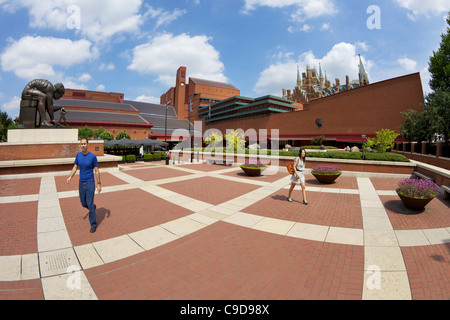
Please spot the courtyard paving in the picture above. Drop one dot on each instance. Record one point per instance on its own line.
(208, 232)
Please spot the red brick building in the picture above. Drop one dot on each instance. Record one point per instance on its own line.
(115, 114)
(342, 117)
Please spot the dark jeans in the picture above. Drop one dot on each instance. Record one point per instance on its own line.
(87, 190)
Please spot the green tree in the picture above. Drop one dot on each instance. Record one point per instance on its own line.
(235, 140)
(122, 135)
(435, 118)
(383, 141)
(439, 65)
(437, 104)
(98, 132)
(6, 122)
(413, 126)
(106, 135)
(85, 132)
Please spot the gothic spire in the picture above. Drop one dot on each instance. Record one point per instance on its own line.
(363, 77)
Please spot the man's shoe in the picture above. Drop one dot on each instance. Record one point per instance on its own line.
(93, 229)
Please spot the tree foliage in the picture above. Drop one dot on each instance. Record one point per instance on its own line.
(435, 118)
(85, 132)
(383, 141)
(122, 135)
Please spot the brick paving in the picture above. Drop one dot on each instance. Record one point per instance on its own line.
(209, 189)
(435, 215)
(428, 271)
(223, 260)
(118, 213)
(230, 262)
(107, 179)
(17, 187)
(18, 225)
(328, 209)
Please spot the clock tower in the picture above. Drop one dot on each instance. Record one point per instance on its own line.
(180, 94)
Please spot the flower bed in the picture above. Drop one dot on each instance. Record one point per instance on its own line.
(253, 165)
(417, 188)
(253, 168)
(326, 170)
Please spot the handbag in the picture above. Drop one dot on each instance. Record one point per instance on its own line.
(290, 168)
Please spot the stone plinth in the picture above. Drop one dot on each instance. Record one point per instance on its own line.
(45, 150)
(42, 135)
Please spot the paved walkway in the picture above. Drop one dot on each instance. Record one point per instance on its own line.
(198, 231)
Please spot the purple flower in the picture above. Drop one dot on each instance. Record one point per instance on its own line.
(418, 188)
(326, 170)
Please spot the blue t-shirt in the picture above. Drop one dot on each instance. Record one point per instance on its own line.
(86, 163)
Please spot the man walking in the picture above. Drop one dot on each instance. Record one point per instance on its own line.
(89, 174)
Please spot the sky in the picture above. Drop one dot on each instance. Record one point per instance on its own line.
(135, 47)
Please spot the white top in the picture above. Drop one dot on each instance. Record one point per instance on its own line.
(300, 164)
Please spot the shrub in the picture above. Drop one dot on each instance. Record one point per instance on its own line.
(383, 141)
(131, 157)
(148, 156)
(156, 156)
(317, 141)
(417, 188)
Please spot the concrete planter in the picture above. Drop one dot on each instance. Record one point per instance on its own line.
(326, 178)
(414, 203)
(253, 172)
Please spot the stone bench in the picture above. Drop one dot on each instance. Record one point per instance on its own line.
(446, 192)
(422, 176)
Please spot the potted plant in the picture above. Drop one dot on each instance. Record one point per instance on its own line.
(131, 158)
(148, 157)
(123, 159)
(326, 174)
(253, 168)
(416, 193)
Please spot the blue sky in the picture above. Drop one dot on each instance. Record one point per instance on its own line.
(135, 47)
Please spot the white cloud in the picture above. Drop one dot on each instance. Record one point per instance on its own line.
(425, 76)
(165, 53)
(408, 64)
(149, 99)
(164, 17)
(107, 67)
(85, 77)
(99, 20)
(426, 8)
(35, 57)
(100, 87)
(305, 9)
(325, 26)
(363, 46)
(340, 61)
(12, 107)
(306, 28)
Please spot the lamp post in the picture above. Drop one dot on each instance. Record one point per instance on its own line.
(165, 125)
(363, 136)
(190, 137)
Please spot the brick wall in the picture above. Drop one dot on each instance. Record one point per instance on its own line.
(46, 151)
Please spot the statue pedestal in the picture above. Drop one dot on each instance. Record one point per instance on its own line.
(57, 135)
(46, 150)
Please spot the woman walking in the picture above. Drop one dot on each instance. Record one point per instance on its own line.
(298, 178)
